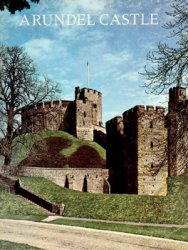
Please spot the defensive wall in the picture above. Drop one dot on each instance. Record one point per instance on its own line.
(136, 154)
(85, 179)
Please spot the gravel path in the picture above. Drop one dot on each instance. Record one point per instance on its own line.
(55, 217)
(59, 237)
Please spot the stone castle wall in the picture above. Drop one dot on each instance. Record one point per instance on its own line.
(137, 150)
(88, 112)
(47, 116)
(145, 150)
(88, 180)
(114, 153)
(177, 120)
(152, 144)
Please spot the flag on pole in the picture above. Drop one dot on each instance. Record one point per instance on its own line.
(88, 74)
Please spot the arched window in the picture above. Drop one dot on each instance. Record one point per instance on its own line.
(151, 144)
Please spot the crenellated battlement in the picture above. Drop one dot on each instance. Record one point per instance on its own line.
(47, 106)
(116, 124)
(140, 109)
(114, 120)
(86, 92)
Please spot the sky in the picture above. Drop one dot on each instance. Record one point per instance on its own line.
(116, 53)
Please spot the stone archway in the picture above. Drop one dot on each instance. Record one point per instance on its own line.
(106, 186)
(85, 187)
(66, 182)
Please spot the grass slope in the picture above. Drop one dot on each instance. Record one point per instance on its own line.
(27, 144)
(6, 245)
(172, 209)
(13, 207)
(169, 233)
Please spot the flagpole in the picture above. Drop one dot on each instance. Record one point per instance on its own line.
(88, 74)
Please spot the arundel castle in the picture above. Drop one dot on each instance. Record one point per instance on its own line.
(142, 148)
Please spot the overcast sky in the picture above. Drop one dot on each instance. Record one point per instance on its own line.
(116, 53)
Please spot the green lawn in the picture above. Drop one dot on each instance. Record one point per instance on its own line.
(13, 207)
(6, 245)
(169, 233)
(172, 209)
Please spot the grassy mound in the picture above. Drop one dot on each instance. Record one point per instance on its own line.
(171, 209)
(57, 149)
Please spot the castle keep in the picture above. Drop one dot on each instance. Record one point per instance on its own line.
(81, 117)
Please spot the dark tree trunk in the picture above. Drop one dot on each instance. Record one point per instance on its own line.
(7, 160)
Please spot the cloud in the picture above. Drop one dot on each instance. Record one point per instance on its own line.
(117, 58)
(43, 48)
(79, 6)
(130, 76)
(39, 47)
(7, 22)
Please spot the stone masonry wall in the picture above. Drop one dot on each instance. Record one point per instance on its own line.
(46, 116)
(95, 97)
(152, 151)
(145, 161)
(114, 153)
(177, 122)
(84, 125)
(130, 164)
(88, 180)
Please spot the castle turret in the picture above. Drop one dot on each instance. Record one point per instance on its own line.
(145, 150)
(88, 112)
(177, 131)
(177, 96)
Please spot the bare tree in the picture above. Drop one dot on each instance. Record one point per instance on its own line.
(168, 65)
(20, 86)
(18, 5)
